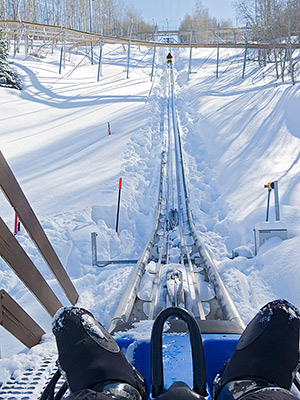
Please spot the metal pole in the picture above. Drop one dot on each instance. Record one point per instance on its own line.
(190, 60)
(277, 216)
(128, 53)
(154, 51)
(100, 61)
(246, 49)
(94, 248)
(218, 51)
(62, 50)
(268, 205)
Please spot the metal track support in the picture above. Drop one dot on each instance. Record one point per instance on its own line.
(128, 51)
(218, 52)
(191, 50)
(154, 52)
(277, 214)
(246, 50)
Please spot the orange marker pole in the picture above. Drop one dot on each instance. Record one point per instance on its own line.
(119, 199)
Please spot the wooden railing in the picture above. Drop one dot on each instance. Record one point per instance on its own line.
(15, 256)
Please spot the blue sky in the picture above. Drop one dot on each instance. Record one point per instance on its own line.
(171, 11)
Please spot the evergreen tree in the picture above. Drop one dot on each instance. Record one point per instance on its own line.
(8, 77)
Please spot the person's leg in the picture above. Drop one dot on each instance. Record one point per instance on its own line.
(89, 358)
(266, 358)
(88, 394)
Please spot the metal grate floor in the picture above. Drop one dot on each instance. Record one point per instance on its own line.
(30, 384)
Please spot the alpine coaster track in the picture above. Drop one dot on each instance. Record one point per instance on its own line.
(174, 270)
(174, 259)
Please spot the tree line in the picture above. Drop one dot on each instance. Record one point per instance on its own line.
(202, 25)
(110, 17)
(276, 22)
(274, 19)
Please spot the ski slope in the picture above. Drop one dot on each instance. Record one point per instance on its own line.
(238, 136)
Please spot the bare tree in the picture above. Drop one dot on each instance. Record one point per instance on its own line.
(202, 23)
(111, 17)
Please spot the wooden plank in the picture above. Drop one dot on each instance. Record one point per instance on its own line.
(12, 252)
(18, 201)
(18, 322)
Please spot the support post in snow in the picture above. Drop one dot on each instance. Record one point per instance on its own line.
(190, 59)
(119, 200)
(100, 61)
(268, 202)
(128, 52)
(62, 51)
(246, 50)
(270, 186)
(154, 51)
(218, 52)
(94, 248)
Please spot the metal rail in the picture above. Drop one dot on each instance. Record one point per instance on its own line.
(174, 283)
(16, 29)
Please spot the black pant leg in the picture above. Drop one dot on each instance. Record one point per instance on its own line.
(88, 394)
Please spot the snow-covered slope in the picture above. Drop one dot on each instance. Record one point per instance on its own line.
(237, 136)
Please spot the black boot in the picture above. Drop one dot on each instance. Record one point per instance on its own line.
(267, 354)
(90, 358)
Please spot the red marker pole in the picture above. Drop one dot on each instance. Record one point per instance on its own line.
(108, 128)
(119, 199)
(16, 224)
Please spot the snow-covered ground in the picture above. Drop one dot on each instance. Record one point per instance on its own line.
(237, 135)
